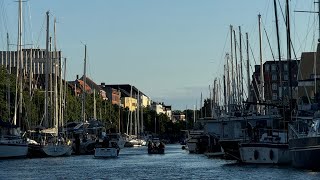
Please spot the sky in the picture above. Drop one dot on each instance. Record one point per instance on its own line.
(171, 50)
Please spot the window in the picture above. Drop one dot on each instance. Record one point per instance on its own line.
(274, 86)
(274, 77)
(285, 77)
(267, 68)
(274, 96)
(285, 67)
(273, 67)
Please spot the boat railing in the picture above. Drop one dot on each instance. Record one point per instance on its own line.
(265, 135)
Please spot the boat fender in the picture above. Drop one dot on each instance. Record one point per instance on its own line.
(256, 154)
(271, 154)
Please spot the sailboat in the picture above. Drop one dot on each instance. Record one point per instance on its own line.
(50, 142)
(269, 146)
(86, 133)
(12, 145)
(304, 142)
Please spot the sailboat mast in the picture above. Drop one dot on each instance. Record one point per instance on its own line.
(9, 73)
(213, 101)
(194, 115)
(56, 120)
(130, 124)
(201, 107)
(46, 109)
(84, 85)
(289, 51)
(315, 67)
(236, 85)
(30, 71)
(119, 126)
(227, 85)
(231, 60)
(279, 49)
(261, 63)
(21, 62)
(94, 105)
(141, 126)
(60, 93)
(138, 113)
(241, 72)
(210, 100)
(224, 89)
(65, 91)
(248, 67)
(8, 54)
(55, 67)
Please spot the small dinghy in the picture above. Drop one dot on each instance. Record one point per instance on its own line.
(156, 147)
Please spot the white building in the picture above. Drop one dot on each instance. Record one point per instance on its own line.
(157, 107)
(161, 108)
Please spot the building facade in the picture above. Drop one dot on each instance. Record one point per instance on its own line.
(129, 102)
(32, 60)
(309, 78)
(276, 85)
(145, 101)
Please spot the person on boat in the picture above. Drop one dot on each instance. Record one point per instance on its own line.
(106, 141)
(150, 145)
(161, 145)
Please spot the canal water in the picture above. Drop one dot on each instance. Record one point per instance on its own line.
(135, 163)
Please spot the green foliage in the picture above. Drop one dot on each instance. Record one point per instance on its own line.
(6, 81)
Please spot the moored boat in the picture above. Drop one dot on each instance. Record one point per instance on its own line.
(305, 145)
(45, 144)
(106, 149)
(12, 145)
(156, 147)
(272, 149)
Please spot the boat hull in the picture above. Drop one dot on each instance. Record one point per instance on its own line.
(57, 150)
(264, 153)
(106, 152)
(231, 149)
(305, 152)
(8, 150)
(192, 147)
(84, 148)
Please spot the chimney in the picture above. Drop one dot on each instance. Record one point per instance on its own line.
(103, 84)
(77, 76)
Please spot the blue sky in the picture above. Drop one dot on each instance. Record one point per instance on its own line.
(170, 49)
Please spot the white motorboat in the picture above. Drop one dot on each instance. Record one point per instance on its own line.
(106, 149)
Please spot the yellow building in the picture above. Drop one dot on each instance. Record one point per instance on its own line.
(129, 102)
